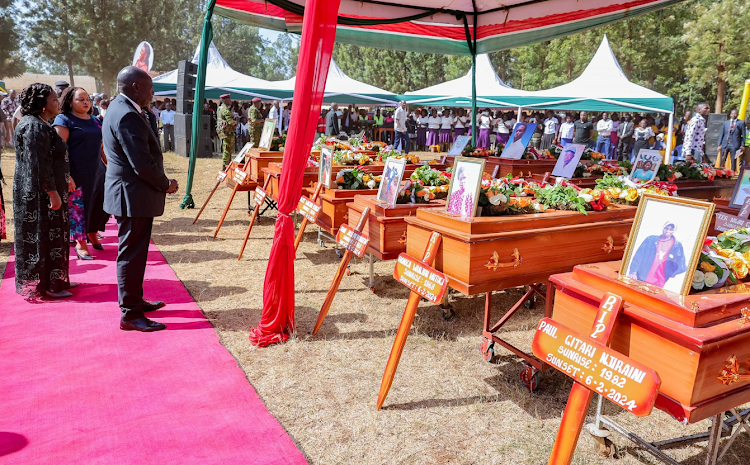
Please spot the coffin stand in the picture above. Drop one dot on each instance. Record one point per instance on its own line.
(689, 341)
(494, 253)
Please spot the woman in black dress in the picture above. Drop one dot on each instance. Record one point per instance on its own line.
(40, 198)
(83, 135)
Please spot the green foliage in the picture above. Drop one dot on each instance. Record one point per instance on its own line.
(11, 63)
(560, 198)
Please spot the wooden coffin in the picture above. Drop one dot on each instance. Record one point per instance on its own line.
(704, 189)
(334, 207)
(547, 243)
(687, 340)
(260, 159)
(385, 226)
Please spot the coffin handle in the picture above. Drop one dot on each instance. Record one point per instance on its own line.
(402, 240)
(609, 246)
(730, 374)
(494, 262)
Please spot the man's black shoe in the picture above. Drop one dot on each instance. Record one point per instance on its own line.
(141, 324)
(151, 306)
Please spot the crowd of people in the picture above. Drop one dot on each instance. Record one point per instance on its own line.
(617, 136)
(76, 168)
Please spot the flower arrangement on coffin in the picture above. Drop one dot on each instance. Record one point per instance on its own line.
(589, 154)
(533, 154)
(278, 143)
(724, 260)
(564, 196)
(624, 191)
(693, 170)
(605, 168)
(331, 142)
(347, 157)
(427, 176)
(374, 146)
(389, 152)
(554, 151)
(357, 179)
(476, 152)
(581, 171)
(506, 196)
(424, 184)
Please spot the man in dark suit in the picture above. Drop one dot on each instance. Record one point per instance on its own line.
(332, 121)
(731, 139)
(134, 191)
(624, 136)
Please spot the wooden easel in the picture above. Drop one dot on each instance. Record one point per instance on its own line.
(260, 197)
(243, 183)
(307, 216)
(350, 240)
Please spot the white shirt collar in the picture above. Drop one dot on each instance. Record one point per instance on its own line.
(137, 107)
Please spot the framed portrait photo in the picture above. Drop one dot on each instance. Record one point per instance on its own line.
(267, 135)
(519, 139)
(741, 189)
(326, 166)
(240, 157)
(393, 172)
(568, 161)
(666, 241)
(466, 182)
(646, 165)
(458, 147)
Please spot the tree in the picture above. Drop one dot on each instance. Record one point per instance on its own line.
(241, 46)
(51, 29)
(11, 62)
(719, 49)
(280, 58)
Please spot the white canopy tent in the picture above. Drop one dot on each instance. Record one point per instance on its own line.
(220, 79)
(341, 88)
(491, 90)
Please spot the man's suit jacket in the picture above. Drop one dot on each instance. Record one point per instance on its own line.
(332, 123)
(732, 139)
(625, 129)
(135, 184)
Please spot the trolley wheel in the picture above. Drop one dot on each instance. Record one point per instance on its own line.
(448, 313)
(530, 377)
(339, 254)
(320, 244)
(372, 289)
(530, 302)
(606, 448)
(487, 348)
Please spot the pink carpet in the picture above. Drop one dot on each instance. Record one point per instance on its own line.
(78, 390)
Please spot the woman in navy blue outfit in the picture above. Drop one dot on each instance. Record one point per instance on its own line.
(83, 133)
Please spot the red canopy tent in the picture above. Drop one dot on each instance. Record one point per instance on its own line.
(463, 27)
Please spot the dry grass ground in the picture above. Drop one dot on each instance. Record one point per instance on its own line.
(446, 405)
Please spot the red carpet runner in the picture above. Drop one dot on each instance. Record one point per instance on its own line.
(78, 390)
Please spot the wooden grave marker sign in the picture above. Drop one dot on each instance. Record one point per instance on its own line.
(725, 221)
(242, 182)
(354, 243)
(594, 368)
(310, 211)
(423, 281)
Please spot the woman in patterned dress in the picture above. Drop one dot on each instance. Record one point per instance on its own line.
(40, 198)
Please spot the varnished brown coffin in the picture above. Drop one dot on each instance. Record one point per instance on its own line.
(334, 207)
(522, 168)
(386, 226)
(548, 243)
(260, 159)
(687, 340)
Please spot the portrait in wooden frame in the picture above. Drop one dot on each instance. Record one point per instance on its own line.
(267, 134)
(466, 183)
(393, 172)
(326, 167)
(666, 242)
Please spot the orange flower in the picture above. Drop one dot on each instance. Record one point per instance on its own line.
(707, 267)
(740, 268)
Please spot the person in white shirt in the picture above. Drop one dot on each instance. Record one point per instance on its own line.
(551, 125)
(517, 146)
(460, 123)
(401, 139)
(433, 128)
(503, 132)
(446, 123)
(275, 114)
(604, 132)
(484, 124)
(167, 120)
(422, 123)
(567, 129)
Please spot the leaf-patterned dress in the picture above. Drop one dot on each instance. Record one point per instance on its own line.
(41, 234)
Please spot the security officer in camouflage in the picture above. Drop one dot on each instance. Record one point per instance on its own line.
(225, 128)
(255, 121)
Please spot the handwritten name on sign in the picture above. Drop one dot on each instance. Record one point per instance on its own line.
(725, 222)
(308, 209)
(420, 278)
(620, 379)
(221, 176)
(259, 197)
(352, 240)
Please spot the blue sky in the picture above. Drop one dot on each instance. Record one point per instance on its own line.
(268, 34)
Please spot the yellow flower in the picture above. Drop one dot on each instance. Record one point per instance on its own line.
(746, 256)
(631, 195)
(740, 268)
(366, 177)
(707, 267)
(725, 252)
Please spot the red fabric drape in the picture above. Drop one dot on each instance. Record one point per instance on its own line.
(316, 47)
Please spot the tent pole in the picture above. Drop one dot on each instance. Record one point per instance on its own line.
(518, 119)
(474, 99)
(670, 131)
(200, 85)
